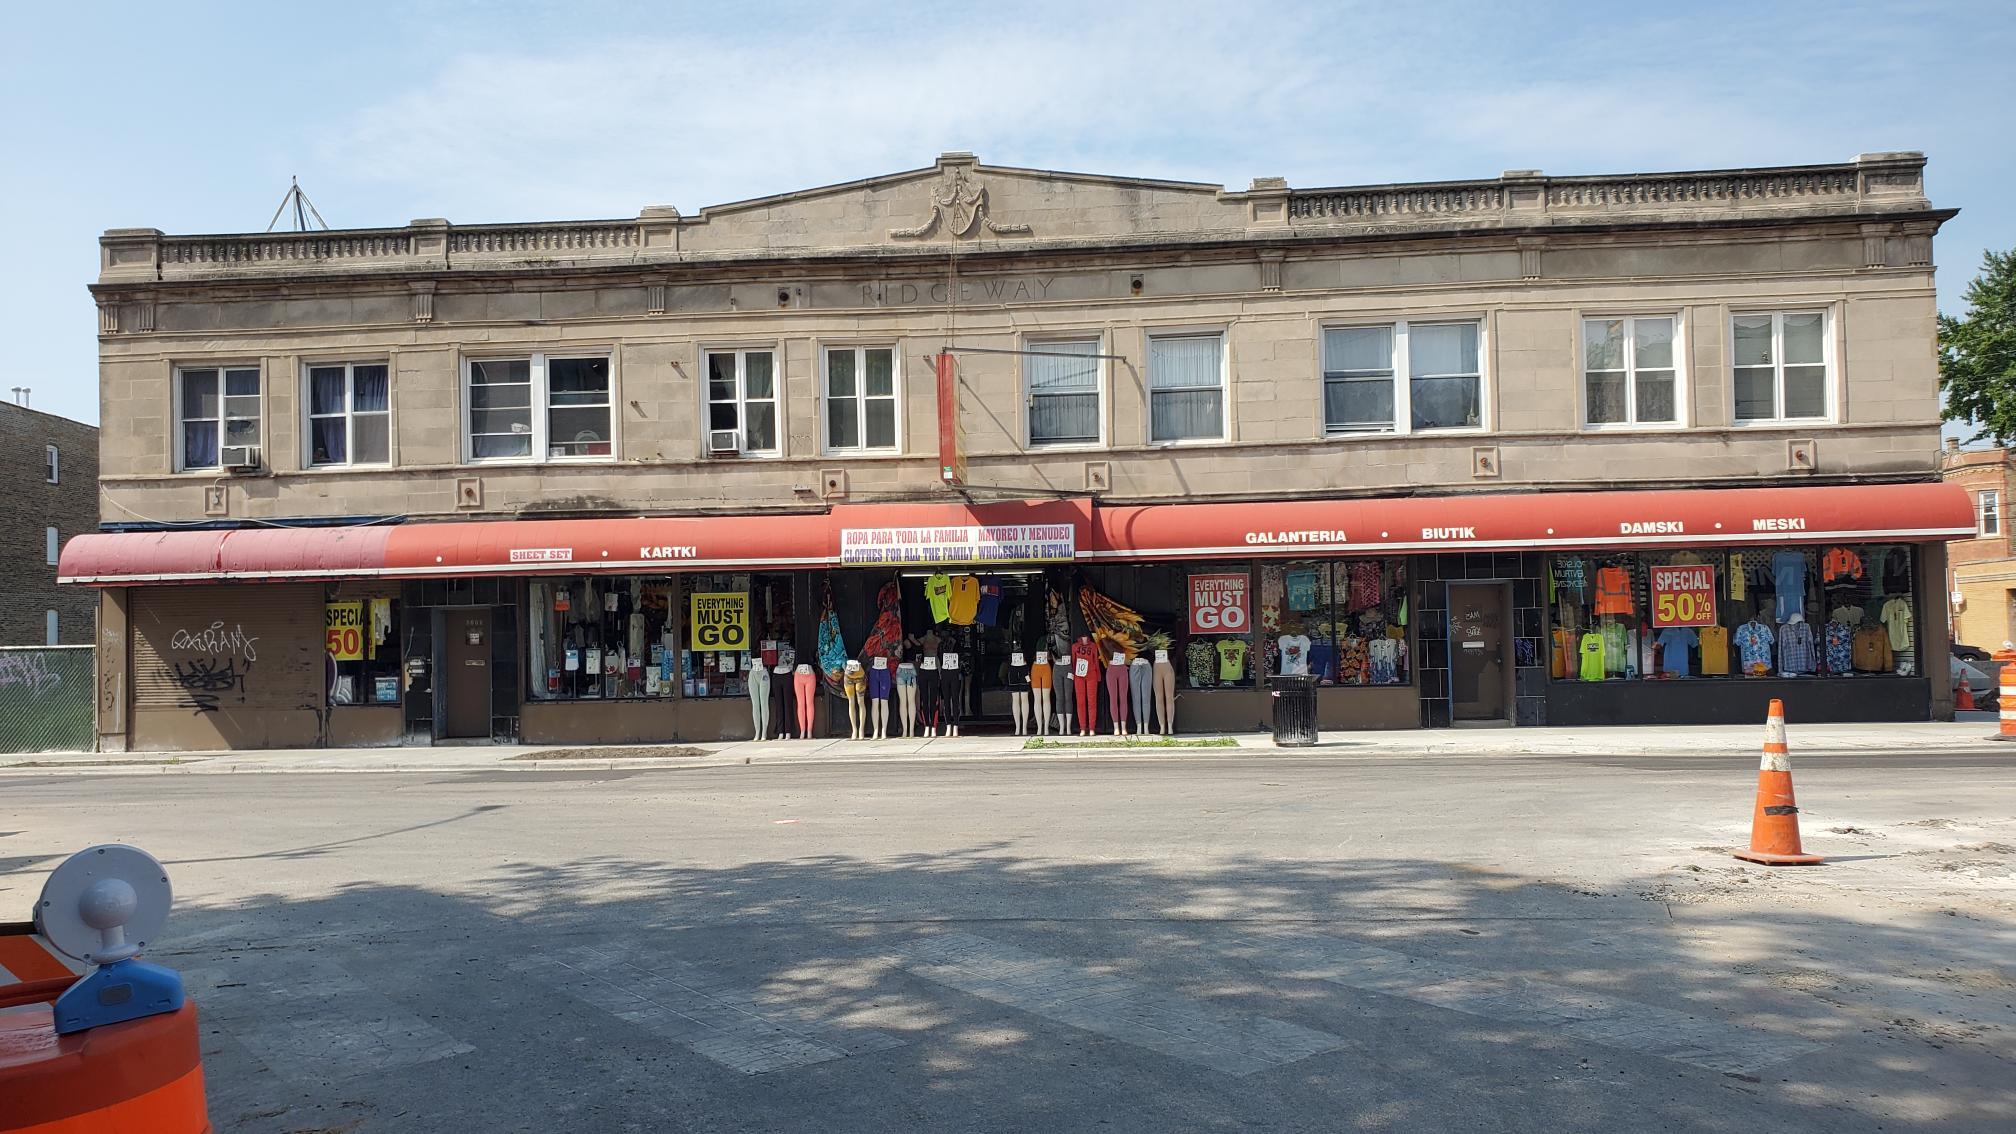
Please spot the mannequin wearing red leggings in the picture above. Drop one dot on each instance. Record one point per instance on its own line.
(806, 683)
(1085, 684)
(1116, 693)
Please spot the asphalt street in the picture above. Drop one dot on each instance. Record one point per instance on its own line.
(1251, 943)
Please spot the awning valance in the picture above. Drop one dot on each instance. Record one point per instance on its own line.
(1032, 532)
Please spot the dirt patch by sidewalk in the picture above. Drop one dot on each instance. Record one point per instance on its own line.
(614, 752)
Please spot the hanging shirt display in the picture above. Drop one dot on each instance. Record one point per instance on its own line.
(1592, 652)
(1795, 647)
(1736, 576)
(1383, 659)
(1897, 620)
(1613, 591)
(1872, 650)
(1674, 642)
(1323, 660)
(1788, 580)
(1616, 647)
(1364, 591)
(1294, 654)
(965, 601)
(1754, 646)
(1840, 563)
(989, 613)
(1201, 660)
(1231, 659)
(1714, 651)
(1301, 587)
(938, 592)
(1838, 646)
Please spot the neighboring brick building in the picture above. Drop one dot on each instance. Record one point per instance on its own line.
(1516, 450)
(1982, 571)
(48, 480)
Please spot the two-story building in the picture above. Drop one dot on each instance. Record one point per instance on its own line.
(1981, 577)
(1530, 449)
(48, 493)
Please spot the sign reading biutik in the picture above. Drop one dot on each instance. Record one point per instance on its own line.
(343, 630)
(1218, 604)
(719, 620)
(1683, 595)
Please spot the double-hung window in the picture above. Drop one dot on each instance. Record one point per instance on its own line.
(350, 414)
(742, 399)
(551, 405)
(54, 460)
(218, 416)
(1988, 509)
(1362, 368)
(860, 398)
(52, 542)
(1186, 387)
(1628, 371)
(1062, 378)
(1781, 366)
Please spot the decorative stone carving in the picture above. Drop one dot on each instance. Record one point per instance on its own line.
(958, 204)
(143, 315)
(108, 316)
(423, 301)
(1530, 248)
(654, 298)
(1270, 268)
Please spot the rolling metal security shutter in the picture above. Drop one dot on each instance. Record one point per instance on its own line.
(250, 646)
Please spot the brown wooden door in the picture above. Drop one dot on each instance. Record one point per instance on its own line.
(1477, 664)
(466, 659)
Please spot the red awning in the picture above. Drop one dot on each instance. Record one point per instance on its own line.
(1534, 521)
(1055, 531)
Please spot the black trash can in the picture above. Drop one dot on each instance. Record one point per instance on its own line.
(1294, 697)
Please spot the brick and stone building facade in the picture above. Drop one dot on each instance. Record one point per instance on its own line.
(1438, 445)
(1982, 571)
(48, 493)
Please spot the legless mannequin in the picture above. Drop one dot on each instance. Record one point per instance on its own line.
(1039, 690)
(951, 689)
(906, 697)
(854, 683)
(759, 698)
(927, 692)
(880, 685)
(1061, 688)
(1165, 694)
(1140, 688)
(805, 682)
(1016, 679)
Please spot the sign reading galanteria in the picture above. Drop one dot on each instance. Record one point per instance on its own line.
(719, 621)
(1008, 543)
(1683, 595)
(343, 630)
(1218, 604)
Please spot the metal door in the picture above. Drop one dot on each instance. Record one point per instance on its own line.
(1478, 667)
(466, 659)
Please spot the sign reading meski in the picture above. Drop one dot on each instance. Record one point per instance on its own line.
(923, 547)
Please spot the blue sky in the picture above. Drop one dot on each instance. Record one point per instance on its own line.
(191, 117)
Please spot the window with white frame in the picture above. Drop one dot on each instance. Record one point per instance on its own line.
(350, 414)
(1988, 510)
(52, 542)
(860, 398)
(742, 397)
(1186, 387)
(1781, 366)
(1362, 393)
(49, 628)
(551, 405)
(218, 415)
(1629, 376)
(1062, 377)
(54, 458)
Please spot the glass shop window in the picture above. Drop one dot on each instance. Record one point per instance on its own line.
(362, 648)
(1343, 620)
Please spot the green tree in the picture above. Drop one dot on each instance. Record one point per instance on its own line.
(1977, 353)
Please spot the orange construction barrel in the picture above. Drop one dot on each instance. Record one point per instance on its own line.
(142, 1076)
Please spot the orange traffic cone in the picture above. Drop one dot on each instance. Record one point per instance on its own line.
(1774, 828)
(1963, 698)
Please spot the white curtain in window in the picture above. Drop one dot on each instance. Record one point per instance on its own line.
(1063, 392)
(1442, 363)
(1186, 387)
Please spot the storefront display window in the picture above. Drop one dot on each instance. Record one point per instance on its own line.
(598, 638)
(1342, 620)
(361, 649)
(1840, 611)
(732, 618)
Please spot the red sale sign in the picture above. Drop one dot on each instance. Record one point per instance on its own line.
(1218, 604)
(1683, 595)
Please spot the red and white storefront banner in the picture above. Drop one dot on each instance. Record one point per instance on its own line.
(1494, 522)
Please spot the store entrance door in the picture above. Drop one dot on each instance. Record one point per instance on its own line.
(466, 659)
(1479, 670)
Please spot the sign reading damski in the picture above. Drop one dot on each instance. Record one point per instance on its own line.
(921, 547)
(1218, 604)
(1683, 595)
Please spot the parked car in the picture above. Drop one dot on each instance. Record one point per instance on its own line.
(1975, 654)
(1980, 680)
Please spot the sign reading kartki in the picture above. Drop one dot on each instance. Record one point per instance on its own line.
(720, 621)
(1683, 595)
(921, 547)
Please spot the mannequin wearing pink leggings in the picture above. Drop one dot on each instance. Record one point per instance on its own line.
(1116, 695)
(805, 682)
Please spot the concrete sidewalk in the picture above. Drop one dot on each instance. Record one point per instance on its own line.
(1967, 736)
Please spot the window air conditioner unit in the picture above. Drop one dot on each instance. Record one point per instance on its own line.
(240, 458)
(724, 442)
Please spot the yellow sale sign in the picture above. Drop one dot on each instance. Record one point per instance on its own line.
(1683, 595)
(719, 621)
(343, 629)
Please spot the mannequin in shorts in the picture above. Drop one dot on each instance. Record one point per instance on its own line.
(906, 696)
(854, 683)
(1039, 690)
(881, 684)
(1015, 678)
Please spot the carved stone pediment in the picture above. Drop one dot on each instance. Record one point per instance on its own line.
(958, 207)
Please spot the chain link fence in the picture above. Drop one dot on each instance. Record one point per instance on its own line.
(46, 698)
